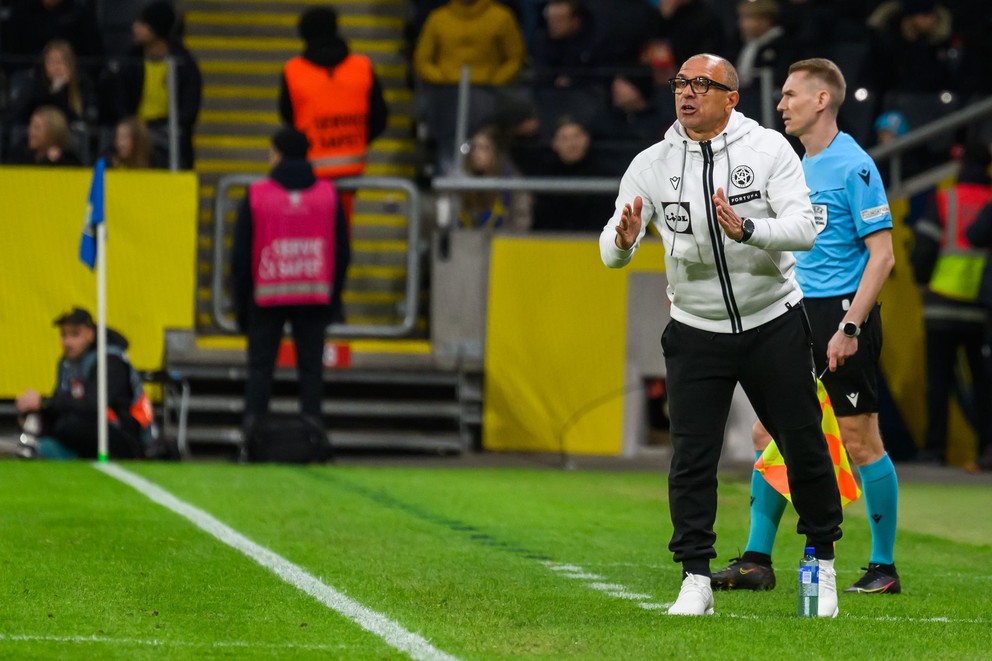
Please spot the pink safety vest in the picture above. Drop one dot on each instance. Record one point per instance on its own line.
(294, 243)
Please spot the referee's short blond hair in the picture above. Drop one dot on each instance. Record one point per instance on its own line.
(828, 74)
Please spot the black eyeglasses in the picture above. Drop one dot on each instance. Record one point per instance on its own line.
(699, 84)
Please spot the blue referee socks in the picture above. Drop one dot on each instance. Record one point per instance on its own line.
(881, 488)
(767, 506)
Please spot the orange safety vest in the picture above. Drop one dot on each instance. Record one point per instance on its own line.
(958, 271)
(331, 106)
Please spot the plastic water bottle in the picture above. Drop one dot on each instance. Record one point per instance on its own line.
(809, 584)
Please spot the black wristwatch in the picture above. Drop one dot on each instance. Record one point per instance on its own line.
(747, 229)
(849, 328)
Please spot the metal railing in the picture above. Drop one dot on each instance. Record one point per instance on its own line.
(893, 151)
(223, 203)
(451, 186)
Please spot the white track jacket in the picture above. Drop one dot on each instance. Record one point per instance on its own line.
(714, 283)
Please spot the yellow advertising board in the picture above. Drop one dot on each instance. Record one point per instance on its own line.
(151, 252)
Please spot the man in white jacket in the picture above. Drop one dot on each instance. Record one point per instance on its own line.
(730, 202)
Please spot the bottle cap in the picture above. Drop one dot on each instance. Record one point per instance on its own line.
(810, 550)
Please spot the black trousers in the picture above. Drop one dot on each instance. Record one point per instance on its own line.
(265, 326)
(79, 433)
(945, 337)
(774, 366)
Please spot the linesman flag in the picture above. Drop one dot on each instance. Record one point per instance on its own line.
(771, 464)
(94, 216)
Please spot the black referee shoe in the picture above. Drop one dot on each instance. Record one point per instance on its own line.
(743, 575)
(878, 579)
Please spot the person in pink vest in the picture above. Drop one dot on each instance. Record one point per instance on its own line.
(288, 263)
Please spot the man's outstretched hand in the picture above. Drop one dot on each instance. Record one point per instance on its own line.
(629, 227)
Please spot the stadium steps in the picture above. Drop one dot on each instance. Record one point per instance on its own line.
(241, 48)
(380, 395)
(391, 394)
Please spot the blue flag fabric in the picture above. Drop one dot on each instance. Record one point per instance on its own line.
(94, 216)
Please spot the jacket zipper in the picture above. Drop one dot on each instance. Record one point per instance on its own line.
(716, 239)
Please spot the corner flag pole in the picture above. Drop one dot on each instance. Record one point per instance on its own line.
(101, 341)
(92, 253)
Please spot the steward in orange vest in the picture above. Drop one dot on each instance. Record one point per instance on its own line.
(333, 96)
(951, 267)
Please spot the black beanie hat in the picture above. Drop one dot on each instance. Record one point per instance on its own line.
(291, 143)
(160, 17)
(318, 25)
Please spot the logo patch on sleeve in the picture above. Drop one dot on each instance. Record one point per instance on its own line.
(744, 197)
(677, 217)
(875, 214)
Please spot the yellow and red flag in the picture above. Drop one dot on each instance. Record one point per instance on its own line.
(771, 463)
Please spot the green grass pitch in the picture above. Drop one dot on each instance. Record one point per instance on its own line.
(479, 563)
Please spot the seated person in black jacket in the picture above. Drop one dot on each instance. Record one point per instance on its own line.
(570, 157)
(64, 426)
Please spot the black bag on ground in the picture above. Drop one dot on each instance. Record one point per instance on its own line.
(287, 439)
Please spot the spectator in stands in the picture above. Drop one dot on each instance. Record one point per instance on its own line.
(816, 24)
(132, 148)
(912, 40)
(493, 210)
(291, 251)
(516, 119)
(494, 54)
(333, 96)
(59, 83)
(567, 63)
(762, 44)
(686, 27)
(951, 269)
(48, 142)
(64, 426)
(482, 35)
(975, 30)
(627, 27)
(569, 157)
(567, 51)
(34, 23)
(979, 234)
(633, 119)
(139, 82)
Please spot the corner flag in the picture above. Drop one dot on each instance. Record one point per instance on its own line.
(771, 464)
(94, 216)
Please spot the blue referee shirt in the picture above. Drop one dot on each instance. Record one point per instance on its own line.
(849, 203)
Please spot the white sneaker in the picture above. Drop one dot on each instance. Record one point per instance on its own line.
(695, 597)
(827, 594)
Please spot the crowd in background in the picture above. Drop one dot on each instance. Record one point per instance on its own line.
(602, 67)
(66, 98)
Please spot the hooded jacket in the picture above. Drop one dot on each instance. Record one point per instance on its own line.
(714, 283)
(76, 386)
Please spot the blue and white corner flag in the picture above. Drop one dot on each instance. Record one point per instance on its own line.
(94, 215)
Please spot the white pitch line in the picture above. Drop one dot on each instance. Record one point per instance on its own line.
(388, 630)
(145, 642)
(654, 607)
(583, 576)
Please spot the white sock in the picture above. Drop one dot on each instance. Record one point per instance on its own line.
(829, 564)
